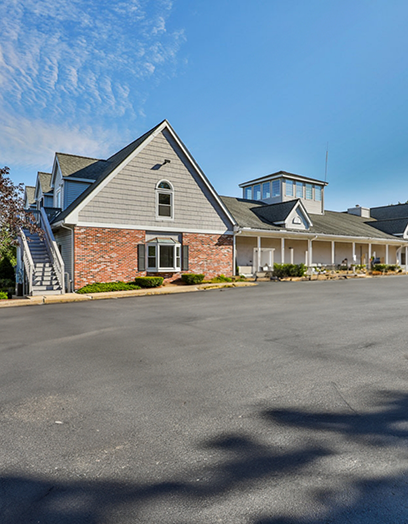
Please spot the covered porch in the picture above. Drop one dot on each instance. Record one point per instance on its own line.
(260, 250)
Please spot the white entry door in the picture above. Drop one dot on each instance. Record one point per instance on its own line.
(267, 259)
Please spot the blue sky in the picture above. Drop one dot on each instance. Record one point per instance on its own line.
(250, 87)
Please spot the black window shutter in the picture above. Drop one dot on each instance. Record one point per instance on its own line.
(184, 263)
(141, 257)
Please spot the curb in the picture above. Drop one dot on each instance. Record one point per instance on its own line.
(75, 297)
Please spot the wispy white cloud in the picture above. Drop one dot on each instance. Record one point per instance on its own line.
(67, 67)
(27, 142)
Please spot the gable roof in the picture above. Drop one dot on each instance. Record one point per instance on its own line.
(44, 180)
(392, 226)
(384, 212)
(80, 166)
(30, 194)
(114, 163)
(251, 214)
(283, 174)
(108, 167)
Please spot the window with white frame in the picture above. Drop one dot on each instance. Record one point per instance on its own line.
(309, 192)
(257, 192)
(299, 190)
(248, 193)
(164, 200)
(275, 188)
(318, 193)
(289, 187)
(266, 190)
(163, 254)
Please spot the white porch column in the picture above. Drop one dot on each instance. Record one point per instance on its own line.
(291, 254)
(354, 253)
(272, 257)
(282, 250)
(259, 253)
(310, 250)
(369, 257)
(406, 259)
(386, 253)
(332, 253)
(306, 258)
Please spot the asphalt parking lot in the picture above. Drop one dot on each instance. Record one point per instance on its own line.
(278, 404)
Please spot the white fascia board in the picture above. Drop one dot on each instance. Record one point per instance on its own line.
(86, 180)
(150, 227)
(318, 236)
(282, 174)
(38, 190)
(305, 213)
(55, 167)
(200, 173)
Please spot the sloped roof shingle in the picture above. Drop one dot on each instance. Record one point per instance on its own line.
(256, 215)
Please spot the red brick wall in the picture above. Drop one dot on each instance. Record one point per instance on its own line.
(107, 255)
(210, 254)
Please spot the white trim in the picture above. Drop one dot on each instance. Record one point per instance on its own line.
(170, 192)
(150, 227)
(321, 236)
(73, 179)
(73, 216)
(281, 174)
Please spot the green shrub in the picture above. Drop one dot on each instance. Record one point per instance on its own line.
(6, 270)
(149, 281)
(98, 287)
(192, 278)
(220, 278)
(288, 270)
(384, 268)
(3, 296)
(6, 283)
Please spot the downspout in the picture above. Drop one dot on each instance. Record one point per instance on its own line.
(72, 255)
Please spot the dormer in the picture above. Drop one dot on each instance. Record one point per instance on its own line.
(43, 192)
(286, 215)
(283, 187)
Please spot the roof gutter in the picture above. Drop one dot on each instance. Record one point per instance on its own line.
(320, 236)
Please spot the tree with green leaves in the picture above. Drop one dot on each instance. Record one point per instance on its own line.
(13, 216)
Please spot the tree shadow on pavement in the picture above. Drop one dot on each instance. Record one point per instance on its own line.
(244, 463)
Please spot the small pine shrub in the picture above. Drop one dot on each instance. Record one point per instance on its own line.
(99, 287)
(192, 278)
(288, 270)
(149, 281)
(3, 295)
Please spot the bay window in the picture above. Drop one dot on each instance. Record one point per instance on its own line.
(163, 254)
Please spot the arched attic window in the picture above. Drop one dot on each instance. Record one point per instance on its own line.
(164, 200)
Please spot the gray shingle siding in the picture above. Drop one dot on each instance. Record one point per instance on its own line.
(130, 197)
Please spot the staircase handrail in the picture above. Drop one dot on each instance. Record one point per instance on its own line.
(53, 250)
(27, 260)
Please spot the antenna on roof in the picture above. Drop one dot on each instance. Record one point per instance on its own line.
(327, 158)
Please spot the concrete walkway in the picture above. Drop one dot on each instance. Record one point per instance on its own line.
(76, 297)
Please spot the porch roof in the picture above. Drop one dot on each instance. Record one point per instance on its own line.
(256, 215)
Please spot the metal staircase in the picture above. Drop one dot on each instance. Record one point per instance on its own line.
(42, 261)
(44, 281)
